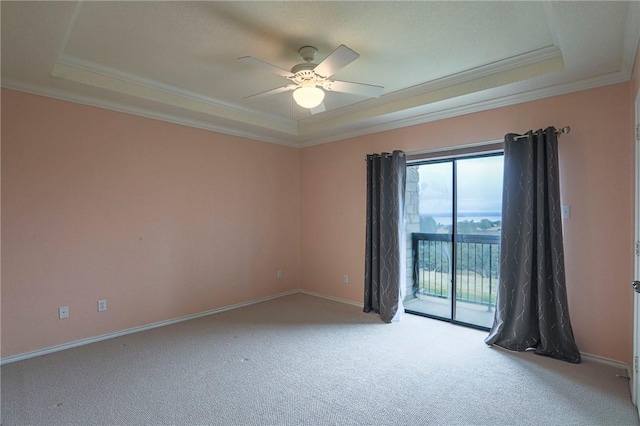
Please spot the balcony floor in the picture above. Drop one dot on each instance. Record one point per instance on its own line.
(470, 313)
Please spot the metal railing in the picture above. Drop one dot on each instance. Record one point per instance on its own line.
(477, 266)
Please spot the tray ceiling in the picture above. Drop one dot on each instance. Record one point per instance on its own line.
(177, 61)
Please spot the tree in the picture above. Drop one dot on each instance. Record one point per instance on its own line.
(428, 224)
(485, 224)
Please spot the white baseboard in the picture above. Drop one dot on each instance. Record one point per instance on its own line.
(612, 363)
(82, 342)
(608, 361)
(595, 358)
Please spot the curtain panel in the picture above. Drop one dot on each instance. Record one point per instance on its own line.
(384, 251)
(532, 310)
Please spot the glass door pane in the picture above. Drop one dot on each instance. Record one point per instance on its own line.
(431, 211)
(478, 223)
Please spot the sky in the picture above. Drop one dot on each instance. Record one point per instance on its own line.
(479, 186)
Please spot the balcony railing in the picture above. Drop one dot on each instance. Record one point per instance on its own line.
(477, 267)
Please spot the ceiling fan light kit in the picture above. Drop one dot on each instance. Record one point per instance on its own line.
(308, 96)
(310, 79)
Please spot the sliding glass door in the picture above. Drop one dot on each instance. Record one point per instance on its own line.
(455, 238)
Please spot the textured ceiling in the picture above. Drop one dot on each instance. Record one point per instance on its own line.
(177, 61)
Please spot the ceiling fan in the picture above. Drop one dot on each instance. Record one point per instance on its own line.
(310, 79)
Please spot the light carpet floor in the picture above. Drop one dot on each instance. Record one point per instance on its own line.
(303, 360)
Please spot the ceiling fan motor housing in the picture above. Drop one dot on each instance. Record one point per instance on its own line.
(305, 75)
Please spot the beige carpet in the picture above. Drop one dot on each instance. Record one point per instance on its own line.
(302, 360)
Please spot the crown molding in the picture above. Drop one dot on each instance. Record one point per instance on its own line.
(533, 95)
(413, 104)
(590, 83)
(96, 75)
(515, 62)
(73, 61)
(141, 112)
(549, 54)
(501, 73)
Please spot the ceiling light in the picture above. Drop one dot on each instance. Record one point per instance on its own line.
(308, 96)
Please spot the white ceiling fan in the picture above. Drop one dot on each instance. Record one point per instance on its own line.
(310, 79)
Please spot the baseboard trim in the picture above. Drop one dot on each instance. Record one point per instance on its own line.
(595, 358)
(612, 363)
(335, 299)
(82, 342)
(608, 361)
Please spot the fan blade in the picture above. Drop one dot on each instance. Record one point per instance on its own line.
(257, 62)
(317, 110)
(338, 59)
(367, 90)
(273, 91)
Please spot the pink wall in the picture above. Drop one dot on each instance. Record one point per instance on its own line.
(165, 221)
(159, 219)
(597, 181)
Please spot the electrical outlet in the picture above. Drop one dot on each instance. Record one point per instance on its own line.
(346, 279)
(279, 274)
(566, 211)
(102, 305)
(63, 312)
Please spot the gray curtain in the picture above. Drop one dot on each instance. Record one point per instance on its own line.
(384, 256)
(532, 311)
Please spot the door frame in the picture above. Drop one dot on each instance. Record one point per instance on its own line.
(452, 296)
(636, 258)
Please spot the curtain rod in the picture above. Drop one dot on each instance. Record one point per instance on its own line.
(562, 131)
